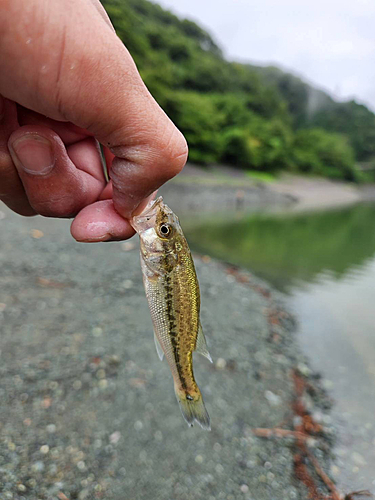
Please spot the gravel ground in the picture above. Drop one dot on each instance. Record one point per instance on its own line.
(88, 411)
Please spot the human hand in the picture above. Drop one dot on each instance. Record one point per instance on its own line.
(67, 81)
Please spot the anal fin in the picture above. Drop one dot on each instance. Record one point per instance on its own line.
(159, 350)
(201, 345)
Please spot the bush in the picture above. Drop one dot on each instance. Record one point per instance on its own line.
(262, 145)
(198, 119)
(319, 152)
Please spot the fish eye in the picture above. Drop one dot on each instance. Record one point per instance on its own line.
(165, 229)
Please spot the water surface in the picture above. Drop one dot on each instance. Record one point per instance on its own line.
(325, 264)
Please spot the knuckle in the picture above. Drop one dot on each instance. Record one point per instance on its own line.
(170, 154)
(6, 164)
(178, 153)
(60, 207)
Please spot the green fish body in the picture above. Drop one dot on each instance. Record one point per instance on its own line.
(173, 296)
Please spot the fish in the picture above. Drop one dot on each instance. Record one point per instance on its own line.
(173, 295)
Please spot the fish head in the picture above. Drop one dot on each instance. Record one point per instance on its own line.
(160, 233)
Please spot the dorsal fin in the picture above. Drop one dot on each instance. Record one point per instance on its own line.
(201, 345)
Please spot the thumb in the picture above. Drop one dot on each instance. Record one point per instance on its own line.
(72, 67)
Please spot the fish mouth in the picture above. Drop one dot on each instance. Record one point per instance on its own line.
(149, 208)
(147, 213)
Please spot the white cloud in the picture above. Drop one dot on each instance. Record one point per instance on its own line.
(331, 43)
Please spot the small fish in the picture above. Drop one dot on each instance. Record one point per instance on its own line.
(173, 296)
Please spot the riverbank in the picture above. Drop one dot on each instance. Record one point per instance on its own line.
(198, 188)
(89, 410)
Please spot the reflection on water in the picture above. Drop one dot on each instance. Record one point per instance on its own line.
(287, 248)
(325, 262)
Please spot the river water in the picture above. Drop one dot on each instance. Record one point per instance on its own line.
(324, 262)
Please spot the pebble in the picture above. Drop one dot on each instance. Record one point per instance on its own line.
(115, 437)
(244, 488)
(311, 442)
(272, 398)
(81, 465)
(138, 425)
(221, 364)
(97, 331)
(335, 471)
(270, 476)
(38, 466)
(317, 416)
(297, 420)
(358, 459)
(44, 449)
(199, 459)
(51, 428)
(52, 469)
(127, 284)
(158, 436)
(304, 369)
(328, 384)
(217, 447)
(36, 233)
(127, 246)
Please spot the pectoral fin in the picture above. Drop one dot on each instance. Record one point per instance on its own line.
(159, 350)
(201, 345)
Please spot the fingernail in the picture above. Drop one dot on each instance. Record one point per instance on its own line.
(34, 154)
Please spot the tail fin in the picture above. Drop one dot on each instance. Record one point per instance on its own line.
(193, 409)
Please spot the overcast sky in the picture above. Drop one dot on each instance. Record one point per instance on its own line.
(330, 43)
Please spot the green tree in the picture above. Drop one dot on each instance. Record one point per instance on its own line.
(252, 117)
(319, 152)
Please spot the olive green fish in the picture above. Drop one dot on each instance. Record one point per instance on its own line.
(173, 296)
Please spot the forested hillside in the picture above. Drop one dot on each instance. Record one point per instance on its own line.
(251, 117)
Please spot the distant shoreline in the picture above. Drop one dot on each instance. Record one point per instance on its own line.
(198, 188)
